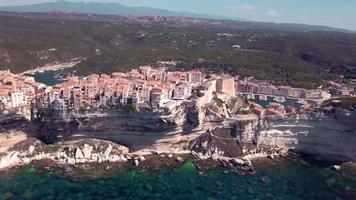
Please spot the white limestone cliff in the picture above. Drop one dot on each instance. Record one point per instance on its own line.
(86, 151)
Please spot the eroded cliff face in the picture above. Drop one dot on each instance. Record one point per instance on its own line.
(329, 136)
(119, 126)
(193, 118)
(136, 130)
(332, 137)
(91, 124)
(86, 151)
(13, 122)
(215, 144)
(23, 112)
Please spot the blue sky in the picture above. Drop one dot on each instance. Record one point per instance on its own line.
(335, 13)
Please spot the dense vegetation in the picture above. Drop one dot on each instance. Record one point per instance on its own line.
(288, 57)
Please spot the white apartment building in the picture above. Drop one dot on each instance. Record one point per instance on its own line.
(181, 92)
(18, 99)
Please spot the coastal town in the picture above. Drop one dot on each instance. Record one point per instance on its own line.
(153, 109)
(148, 88)
(143, 87)
(175, 100)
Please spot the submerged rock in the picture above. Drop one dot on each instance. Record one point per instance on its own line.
(247, 161)
(137, 163)
(179, 159)
(141, 158)
(219, 183)
(336, 168)
(237, 161)
(265, 179)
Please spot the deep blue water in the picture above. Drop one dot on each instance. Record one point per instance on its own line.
(288, 180)
(48, 77)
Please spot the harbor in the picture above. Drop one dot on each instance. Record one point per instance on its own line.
(265, 100)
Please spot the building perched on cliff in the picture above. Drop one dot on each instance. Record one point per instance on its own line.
(226, 85)
(17, 90)
(259, 87)
(142, 87)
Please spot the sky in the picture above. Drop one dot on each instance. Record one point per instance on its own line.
(335, 13)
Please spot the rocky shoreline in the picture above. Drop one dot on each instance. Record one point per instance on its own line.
(78, 160)
(76, 154)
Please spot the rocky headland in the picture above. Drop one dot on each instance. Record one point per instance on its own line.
(205, 130)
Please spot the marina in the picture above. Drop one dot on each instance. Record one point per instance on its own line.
(265, 100)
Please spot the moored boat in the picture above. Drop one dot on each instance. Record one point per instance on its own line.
(250, 96)
(279, 99)
(263, 97)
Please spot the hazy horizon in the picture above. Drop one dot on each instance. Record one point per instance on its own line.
(318, 12)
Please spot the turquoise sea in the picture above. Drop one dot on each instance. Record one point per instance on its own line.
(289, 179)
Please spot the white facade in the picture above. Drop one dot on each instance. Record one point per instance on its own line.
(18, 99)
(181, 92)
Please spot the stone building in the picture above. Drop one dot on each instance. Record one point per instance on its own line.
(226, 85)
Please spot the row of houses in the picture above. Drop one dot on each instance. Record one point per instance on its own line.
(276, 109)
(265, 88)
(343, 89)
(17, 90)
(143, 87)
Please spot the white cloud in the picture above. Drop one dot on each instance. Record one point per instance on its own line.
(245, 8)
(273, 13)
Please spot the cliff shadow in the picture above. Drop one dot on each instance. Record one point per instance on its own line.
(136, 130)
(329, 140)
(13, 122)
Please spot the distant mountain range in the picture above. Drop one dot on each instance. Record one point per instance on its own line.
(63, 6)
(103, 8)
